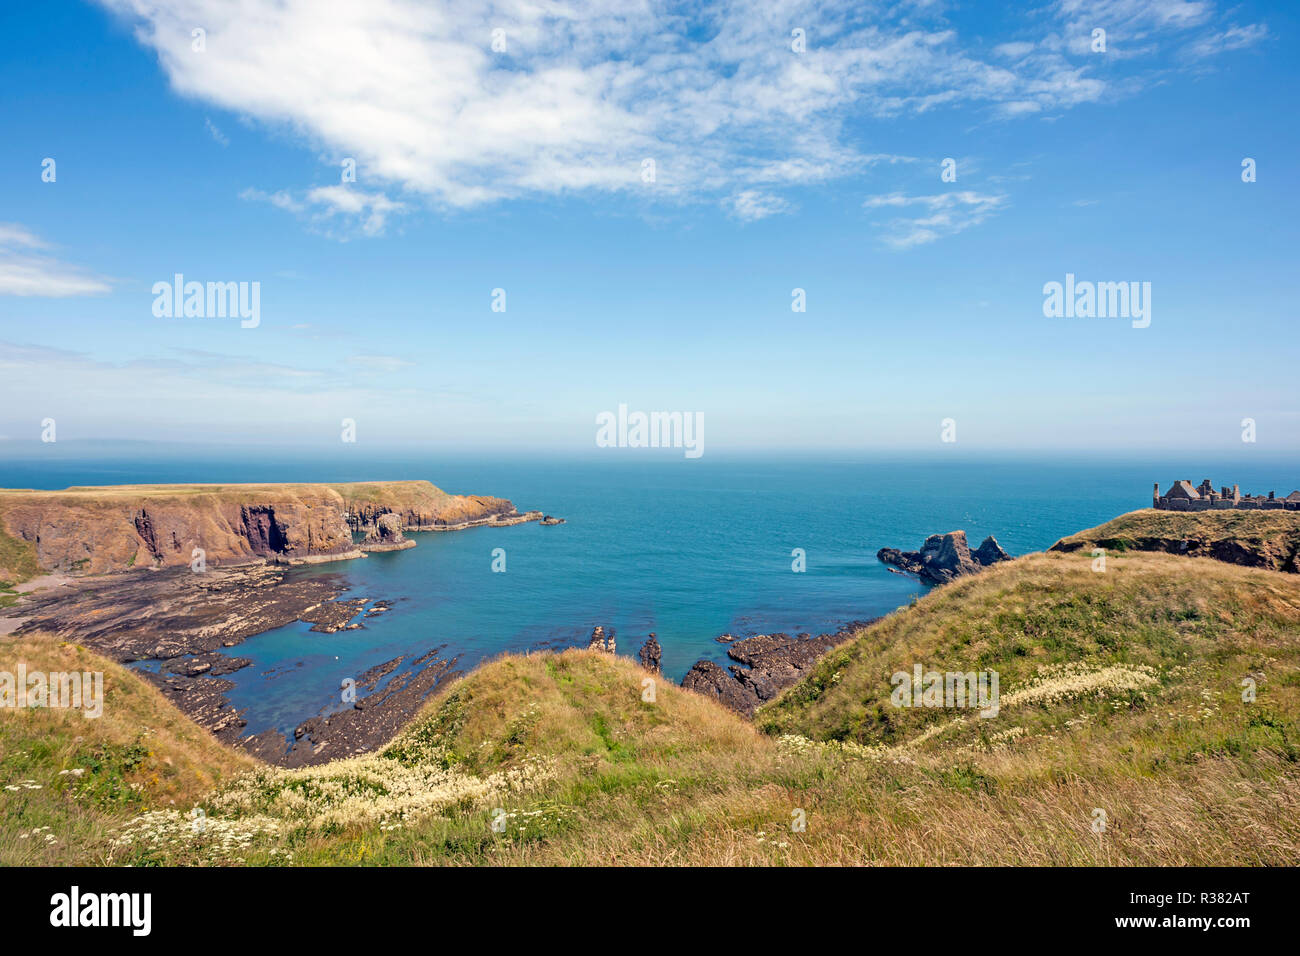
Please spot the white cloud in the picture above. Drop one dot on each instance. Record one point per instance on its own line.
(583, 93)
(336, 211)
(25, 272)
(944, 214)
(1013, 51)
(216, 133)
(750, 205)
(585, 90)
(14, 234)
(372, 209)
(280, 199)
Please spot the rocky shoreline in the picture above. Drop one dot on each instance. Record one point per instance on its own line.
(176, 615)
(766, 664)
(185, 623)
(493, 521)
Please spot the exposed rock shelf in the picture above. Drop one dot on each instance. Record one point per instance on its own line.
(188, 622)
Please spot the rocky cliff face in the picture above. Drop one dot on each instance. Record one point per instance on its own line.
(116, 528)
(386, 535)
(98, 530)
(944, 557)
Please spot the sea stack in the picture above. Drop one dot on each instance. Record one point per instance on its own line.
(651, 655)
(386, 535)
(944, 557)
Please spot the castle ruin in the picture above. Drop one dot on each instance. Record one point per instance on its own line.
(1182, 496)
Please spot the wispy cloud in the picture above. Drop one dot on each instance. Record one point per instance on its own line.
(1130, 25)
(216, 133)
(337, 211)
(381, 363)
(923, 219)
(750, 205)
(1233, 38)
(209, 394)
(26, 270)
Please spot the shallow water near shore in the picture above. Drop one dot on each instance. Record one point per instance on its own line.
(686, 549)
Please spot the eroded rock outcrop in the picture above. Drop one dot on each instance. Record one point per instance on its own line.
(600, 641)
(990, 552)
(386, 535)
(707, 678)
(944, 557)
(651, 655)
(767, 664)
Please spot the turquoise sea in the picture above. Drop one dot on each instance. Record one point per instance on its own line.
(688, 549)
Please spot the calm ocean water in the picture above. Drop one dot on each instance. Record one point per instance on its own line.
(687, 549)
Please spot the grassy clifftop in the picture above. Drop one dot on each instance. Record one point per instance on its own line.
(1264, 539)
(1120, 692)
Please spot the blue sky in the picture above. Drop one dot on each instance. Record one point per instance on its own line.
(521, 169)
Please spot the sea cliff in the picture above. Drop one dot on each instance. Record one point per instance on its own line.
(116, 528)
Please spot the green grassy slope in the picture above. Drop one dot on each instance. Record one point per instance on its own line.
(1120, 692)
(68, 782)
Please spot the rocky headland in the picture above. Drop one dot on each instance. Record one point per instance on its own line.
(944, 557)
(94, 530)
